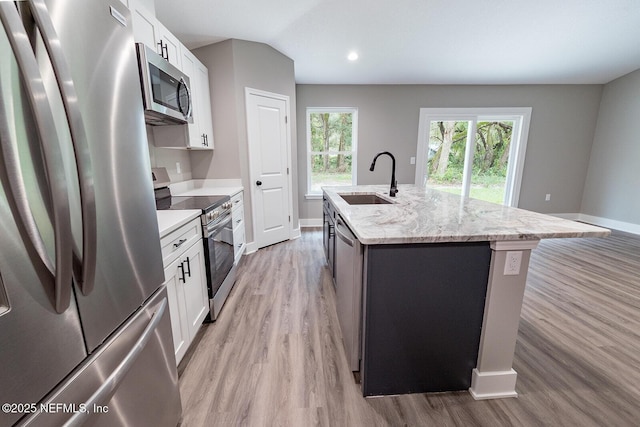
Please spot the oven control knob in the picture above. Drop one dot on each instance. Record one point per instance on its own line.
(215, 214)
(210, 216)
(227, 205)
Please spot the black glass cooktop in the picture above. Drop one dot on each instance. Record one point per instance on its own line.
(204, 203)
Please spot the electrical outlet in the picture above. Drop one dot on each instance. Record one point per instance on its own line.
(512, 263)
(547, 197)
(178, 168)
(412, 160)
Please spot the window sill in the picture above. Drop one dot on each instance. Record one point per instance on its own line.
(313, 196)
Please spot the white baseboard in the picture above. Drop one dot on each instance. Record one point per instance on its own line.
(310, 222)
(569, 216)
(627, 227)
(493, 385)
(295, 233)
(251, 248)
(611, 223)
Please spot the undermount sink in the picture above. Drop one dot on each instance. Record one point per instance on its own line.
(365, 199)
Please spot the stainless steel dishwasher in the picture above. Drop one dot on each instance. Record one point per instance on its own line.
(348, 264)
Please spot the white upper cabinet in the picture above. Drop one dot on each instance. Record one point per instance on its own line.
(202, 96)
(148, 30)
(199, 134)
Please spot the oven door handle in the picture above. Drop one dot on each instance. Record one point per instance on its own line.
(214, 228)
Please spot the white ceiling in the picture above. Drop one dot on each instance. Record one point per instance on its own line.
(426, 41)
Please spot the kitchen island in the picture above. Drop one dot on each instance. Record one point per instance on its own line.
(443, 279)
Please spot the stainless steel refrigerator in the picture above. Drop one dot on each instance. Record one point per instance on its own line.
(85, 336)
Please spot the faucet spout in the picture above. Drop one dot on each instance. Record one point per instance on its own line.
(394, 184)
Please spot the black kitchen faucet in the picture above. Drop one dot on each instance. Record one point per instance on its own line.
(394, 184)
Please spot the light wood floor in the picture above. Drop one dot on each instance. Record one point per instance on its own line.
(274, 358)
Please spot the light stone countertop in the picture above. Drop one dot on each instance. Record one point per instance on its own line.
(423, 215)
(172, 220)
(169, 221)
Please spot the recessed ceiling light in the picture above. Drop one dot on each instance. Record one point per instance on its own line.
(353, 56)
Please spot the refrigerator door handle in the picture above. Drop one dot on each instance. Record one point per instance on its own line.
(110, 385)
(60, 276)
(85, 263)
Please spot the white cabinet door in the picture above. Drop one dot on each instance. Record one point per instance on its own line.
(199, 134)
(148, 30)
(170, 45)
(195, 138)
(144, 27)
(237, 217)
(186, 284)
(195, 288)
(179, 323)
(204, 103)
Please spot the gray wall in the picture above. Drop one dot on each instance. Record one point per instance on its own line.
(168, 157)
(234, 65)
(613, 179)
(561, 133)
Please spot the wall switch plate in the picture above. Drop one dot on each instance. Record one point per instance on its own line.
(412, 160)
(178, 168)
(512, 263)
(547, 197)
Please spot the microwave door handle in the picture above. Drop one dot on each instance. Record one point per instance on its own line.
(189, 103)
(58, 275)
(85, 263)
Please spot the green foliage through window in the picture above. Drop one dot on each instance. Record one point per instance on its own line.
(447, 149)
(331, 148)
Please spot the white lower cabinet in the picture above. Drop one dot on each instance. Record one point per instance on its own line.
(186, 287)
(237, 217)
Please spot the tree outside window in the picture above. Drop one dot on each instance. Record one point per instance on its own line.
(331, 142)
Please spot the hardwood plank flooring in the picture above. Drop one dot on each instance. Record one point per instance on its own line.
(275, 357)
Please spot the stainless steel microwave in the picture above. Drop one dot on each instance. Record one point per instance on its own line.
(165, 90)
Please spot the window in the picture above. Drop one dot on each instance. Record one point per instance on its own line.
(332, 135)
(477, 152)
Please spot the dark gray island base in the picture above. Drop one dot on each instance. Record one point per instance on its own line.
(429, 286)
(423, 307)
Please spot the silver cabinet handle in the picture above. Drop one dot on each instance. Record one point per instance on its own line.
(60, 276)
(85, 263)
(109, 386)
(342, 236)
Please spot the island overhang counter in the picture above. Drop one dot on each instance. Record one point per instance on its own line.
(442, 288)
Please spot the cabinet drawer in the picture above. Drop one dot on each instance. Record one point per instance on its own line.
(179, 240)
(237, 217)
(238, 243)
(237, 200)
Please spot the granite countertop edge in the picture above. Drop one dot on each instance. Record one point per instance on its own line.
(169, 221)
(424, 215)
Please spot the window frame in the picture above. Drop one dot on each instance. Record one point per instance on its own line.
(515, 168)
(353, 152)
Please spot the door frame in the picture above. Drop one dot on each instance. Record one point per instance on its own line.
(253, 246)
(517, 152)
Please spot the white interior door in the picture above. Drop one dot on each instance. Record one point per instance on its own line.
(269, 167)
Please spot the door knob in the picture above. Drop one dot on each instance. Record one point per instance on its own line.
(258, 183)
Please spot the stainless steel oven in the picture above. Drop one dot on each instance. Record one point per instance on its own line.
(217, 237)
(218, 248)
